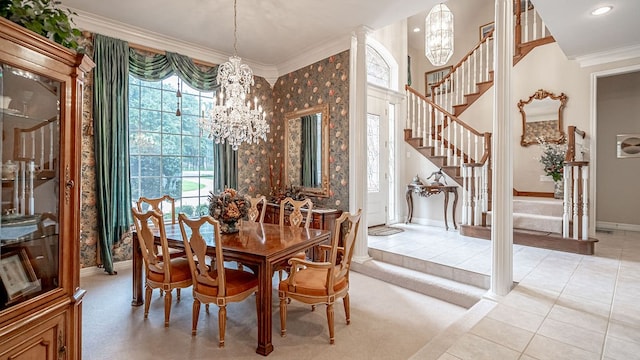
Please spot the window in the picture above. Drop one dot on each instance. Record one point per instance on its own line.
(168, 153)
(378, 70)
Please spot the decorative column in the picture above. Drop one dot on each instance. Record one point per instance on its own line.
(358, 139)
(502, 182)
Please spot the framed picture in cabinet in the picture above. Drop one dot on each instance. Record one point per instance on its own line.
(17, 275)
(433, 77)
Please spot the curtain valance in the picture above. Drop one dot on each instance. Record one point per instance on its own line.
(156, 67)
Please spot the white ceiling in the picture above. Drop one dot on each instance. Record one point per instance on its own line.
(271, 33)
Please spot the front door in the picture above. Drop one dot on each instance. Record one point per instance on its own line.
(377, 161)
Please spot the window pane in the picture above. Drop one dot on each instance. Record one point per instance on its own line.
(150, 165)
(171, 144)
(150, 120)
(373, 152)
(150, 98)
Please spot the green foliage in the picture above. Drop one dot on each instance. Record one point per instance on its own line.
(552, 158)
(44, 18)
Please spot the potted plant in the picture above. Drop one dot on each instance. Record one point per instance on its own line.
(552, 160)
(44, 18)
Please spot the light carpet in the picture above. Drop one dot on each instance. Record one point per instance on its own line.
(387, 322)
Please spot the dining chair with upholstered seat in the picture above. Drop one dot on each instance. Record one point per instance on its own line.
(325, 281)
(218, 285)
(256, 214)
(165, 274)
(295, 218)
(158, 204)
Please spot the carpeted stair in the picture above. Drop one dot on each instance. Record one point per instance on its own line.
(537, 214)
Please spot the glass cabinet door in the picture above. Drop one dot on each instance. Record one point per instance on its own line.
(29, 244)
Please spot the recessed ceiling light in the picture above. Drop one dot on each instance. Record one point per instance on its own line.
(601, 10)
(416, 29)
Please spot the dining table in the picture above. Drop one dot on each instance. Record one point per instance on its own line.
(258, 246)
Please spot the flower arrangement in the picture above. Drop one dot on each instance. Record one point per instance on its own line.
(552, 158)
(228, 207)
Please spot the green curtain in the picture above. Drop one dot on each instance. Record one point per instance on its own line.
(225, 167)
(111, 141)
(309, 153)
(156, 67)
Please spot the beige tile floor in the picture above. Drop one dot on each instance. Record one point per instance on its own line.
(565, 306)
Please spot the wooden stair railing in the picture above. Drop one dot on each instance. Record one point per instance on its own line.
(449, 143)
(34, 150)
(468, 79)
(575, 218)
(433, 126)
(530, 31)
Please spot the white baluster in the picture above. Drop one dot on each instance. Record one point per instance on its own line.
(585, 203)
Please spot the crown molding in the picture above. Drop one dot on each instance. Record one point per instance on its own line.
(101, 25)
(315, 53)
(609, 56)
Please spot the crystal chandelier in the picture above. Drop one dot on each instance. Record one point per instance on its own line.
(234, 119)
(438, 35)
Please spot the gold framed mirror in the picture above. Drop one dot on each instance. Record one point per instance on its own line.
(306, 150)
(542, 117)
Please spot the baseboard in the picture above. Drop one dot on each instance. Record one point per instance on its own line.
(615, 226)
(94, 270)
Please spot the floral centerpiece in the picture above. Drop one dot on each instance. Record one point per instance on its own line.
(228, 207)
(552, 159)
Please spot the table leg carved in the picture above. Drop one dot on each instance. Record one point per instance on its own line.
(429, 190)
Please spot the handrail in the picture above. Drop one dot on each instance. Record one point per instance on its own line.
(445, 112)
(461, 62)
(570, 155)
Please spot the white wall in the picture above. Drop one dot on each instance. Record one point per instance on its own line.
(546, 67)
(468, 16)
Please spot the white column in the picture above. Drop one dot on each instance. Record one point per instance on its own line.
(358, 139)
(502, 183)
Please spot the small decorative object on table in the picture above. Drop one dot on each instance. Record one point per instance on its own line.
(552, 158)
(228, 207)
(437, 176)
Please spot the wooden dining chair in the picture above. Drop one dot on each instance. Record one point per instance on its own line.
(323, 282)
(294, 218)
(160, 273)
(158, 204)
(218, 285)
(256, 214)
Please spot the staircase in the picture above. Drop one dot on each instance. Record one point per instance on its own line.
(35, 154)
(464, 154)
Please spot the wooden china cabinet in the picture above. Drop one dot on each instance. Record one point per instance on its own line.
(41, 85)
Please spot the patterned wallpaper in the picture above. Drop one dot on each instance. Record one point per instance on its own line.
(326, 81)
(258, 164)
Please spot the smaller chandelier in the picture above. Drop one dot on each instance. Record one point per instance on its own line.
(234, 119)
(438, 38)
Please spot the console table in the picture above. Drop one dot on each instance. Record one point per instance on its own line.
(429, 190)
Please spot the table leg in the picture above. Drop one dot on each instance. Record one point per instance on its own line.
(446, 205)
(137, 272)
(453, 209)
(265, 273)
(409, 205)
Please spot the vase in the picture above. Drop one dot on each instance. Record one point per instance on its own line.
(229, 227)
(558, 189)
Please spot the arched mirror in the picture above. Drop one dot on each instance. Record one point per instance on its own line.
(542, 117)
(306, 151)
